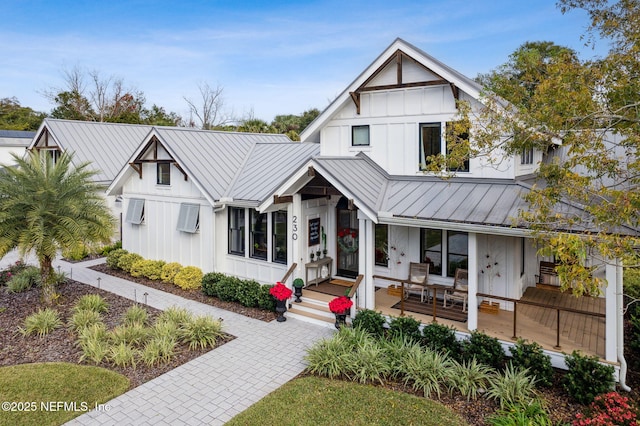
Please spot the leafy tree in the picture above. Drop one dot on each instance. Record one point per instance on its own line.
(292, 125)
(48, 207)
(14, 116)
(588, 110)
(255, 125)
(159, 117)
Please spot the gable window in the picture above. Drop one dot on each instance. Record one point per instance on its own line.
(279, 223)
(432, 143)
(526, 156)
(54, 154)
(258, 236)
(189, 218)
(451, 247)
(163, 173)
(382, 244)
(236, 231)
(135, 211)
(360, 136)
(458, 133)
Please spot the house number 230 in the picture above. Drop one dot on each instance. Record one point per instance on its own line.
(294, 228)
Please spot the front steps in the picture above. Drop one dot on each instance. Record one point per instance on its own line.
(314, 309)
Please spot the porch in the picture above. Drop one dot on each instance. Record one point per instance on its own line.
(581, 323)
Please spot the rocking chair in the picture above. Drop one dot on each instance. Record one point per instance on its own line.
(459, 292)
(417, 280)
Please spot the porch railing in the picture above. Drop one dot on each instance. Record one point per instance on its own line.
(293, 266)
(558, 309)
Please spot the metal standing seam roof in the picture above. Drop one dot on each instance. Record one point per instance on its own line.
(213, 158)
(106, 145)
(267, 165)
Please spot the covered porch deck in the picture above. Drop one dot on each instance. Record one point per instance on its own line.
(536, 319)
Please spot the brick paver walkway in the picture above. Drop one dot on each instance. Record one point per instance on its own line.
(214, 387)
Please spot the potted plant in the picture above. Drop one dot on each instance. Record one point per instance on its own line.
(312, 255)
(324, 243)
(340, 306)
(298, 283)
(281, 293)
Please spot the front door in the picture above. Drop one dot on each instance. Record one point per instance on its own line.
(347, 237)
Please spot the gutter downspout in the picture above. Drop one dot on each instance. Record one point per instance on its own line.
(620, 328)
(222, 206)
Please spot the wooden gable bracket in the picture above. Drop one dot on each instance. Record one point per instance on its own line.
(455, 91)
(277, 199)
(181, 170)
(355, 96)
(138, 168)
(311, 172)
(350, 205)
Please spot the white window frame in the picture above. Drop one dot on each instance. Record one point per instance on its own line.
(135, 211)
(189, 218)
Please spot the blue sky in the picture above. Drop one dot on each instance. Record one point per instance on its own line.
(271, 57)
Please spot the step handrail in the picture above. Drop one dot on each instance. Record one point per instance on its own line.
(293, 266)
(355, 286)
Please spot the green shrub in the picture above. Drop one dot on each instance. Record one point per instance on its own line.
(169, 271)
(93, 343)
(521, 415)
(247, 293)
(530, 356)
(93, 302)
(78, 252)
(11, 270)
(485, 349)
(113, 258)
(106, 250)
(265, 299)
(370, 321)
(328, 357)
(586, 378)
(123, 355)
(442, 338)
(210, 283)
(227, 288)
(469, 378)
(189, 278)
(126, 261)
(512, 387)
(367, 363)
(426, 370)
(152, 269)
(41, 323)
(136, 314)
(136, 268)
(396, 349)
(201, 332)
(159, 349)
(132, 334)
(83, 318)
(24, 280)
(174, 315)
(406, 326)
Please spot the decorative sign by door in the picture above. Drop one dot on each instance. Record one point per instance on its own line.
(314, 231)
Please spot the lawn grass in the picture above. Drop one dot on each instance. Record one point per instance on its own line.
(39, 392)
(319, 401)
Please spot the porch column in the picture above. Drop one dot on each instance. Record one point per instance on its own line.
(611, 311)
(366, 260)
(296, 236)
(472, 304)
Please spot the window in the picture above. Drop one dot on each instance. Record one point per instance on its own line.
(279, 223)
(258, 236)
(360, 136)
(189, 218)
(382, 245)
(135, 211)
(526, 156)
(163, 174)
(431, 249)
(456, 249)
(236, 231)
(458, 136)
(430, 142)
(54, 154)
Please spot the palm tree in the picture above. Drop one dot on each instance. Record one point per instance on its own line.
(47, 206)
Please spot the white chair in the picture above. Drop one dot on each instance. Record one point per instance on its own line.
(417, 280)
(460, 290)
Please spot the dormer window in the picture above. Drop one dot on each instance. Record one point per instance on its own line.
(163, 174)
(360, 136)
(526, 156)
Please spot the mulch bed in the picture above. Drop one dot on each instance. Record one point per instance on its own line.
(196, 295)
(59, 346)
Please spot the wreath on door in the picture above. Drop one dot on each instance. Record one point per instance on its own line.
(348, 240)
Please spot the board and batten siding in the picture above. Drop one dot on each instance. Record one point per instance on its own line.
(157, 238)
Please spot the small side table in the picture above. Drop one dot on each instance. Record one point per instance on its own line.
(316, 266)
